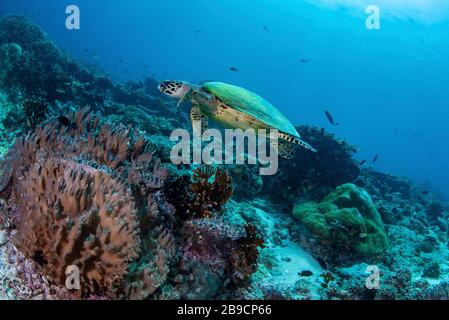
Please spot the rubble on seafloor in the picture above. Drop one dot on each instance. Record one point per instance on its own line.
(316, 230)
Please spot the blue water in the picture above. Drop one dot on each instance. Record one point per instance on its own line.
(388, 89)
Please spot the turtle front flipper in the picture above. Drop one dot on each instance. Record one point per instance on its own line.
(200, 122)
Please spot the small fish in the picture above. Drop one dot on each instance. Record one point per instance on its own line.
(64, 121)
(425, 192)
(197, 31)
(329, 117)
(266, 28)
(305, 60)
(233, 69)
(306, 273)
(375, 158)
(362, 162)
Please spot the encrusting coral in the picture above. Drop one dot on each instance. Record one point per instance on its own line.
(347, 218)
(91, 196)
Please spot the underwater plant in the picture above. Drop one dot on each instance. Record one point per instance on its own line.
(347, 218)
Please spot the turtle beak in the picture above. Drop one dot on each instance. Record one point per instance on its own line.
(161, 87)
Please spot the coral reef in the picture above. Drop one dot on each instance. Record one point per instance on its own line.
(90, 196)
(42, 71)
(217, 252)
(8, 127)
(250, 183)
(244, 255)
(225, 254)
(96, 189)
(35, 111)
(212, 188)
(312, 176)
(23, 279)
(345, 219)
(37, 65)
(203, 195)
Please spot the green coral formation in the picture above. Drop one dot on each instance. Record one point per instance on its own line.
(347, 217)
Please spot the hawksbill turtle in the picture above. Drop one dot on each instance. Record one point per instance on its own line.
(237, 108)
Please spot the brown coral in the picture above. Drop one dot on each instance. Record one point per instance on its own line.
(202, 195)
(243, 257)
(212, 187)
(73, 214)
(90, 196)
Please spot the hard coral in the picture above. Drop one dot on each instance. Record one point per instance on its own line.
(249, 184)
(42, 69)
(91, 197)
(435, 210)
(91, 224)
(243, 257)
(226, 254)
(381, 184)
(312, 175)
(35, 111)
(203, 195)
(346, 218)
(212, 187)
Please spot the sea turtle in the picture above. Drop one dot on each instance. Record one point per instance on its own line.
(234, 107)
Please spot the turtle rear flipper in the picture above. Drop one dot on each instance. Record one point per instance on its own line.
(295, 141)
(306, 145)
(200, 122)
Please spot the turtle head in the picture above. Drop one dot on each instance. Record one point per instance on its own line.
(175, 89)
